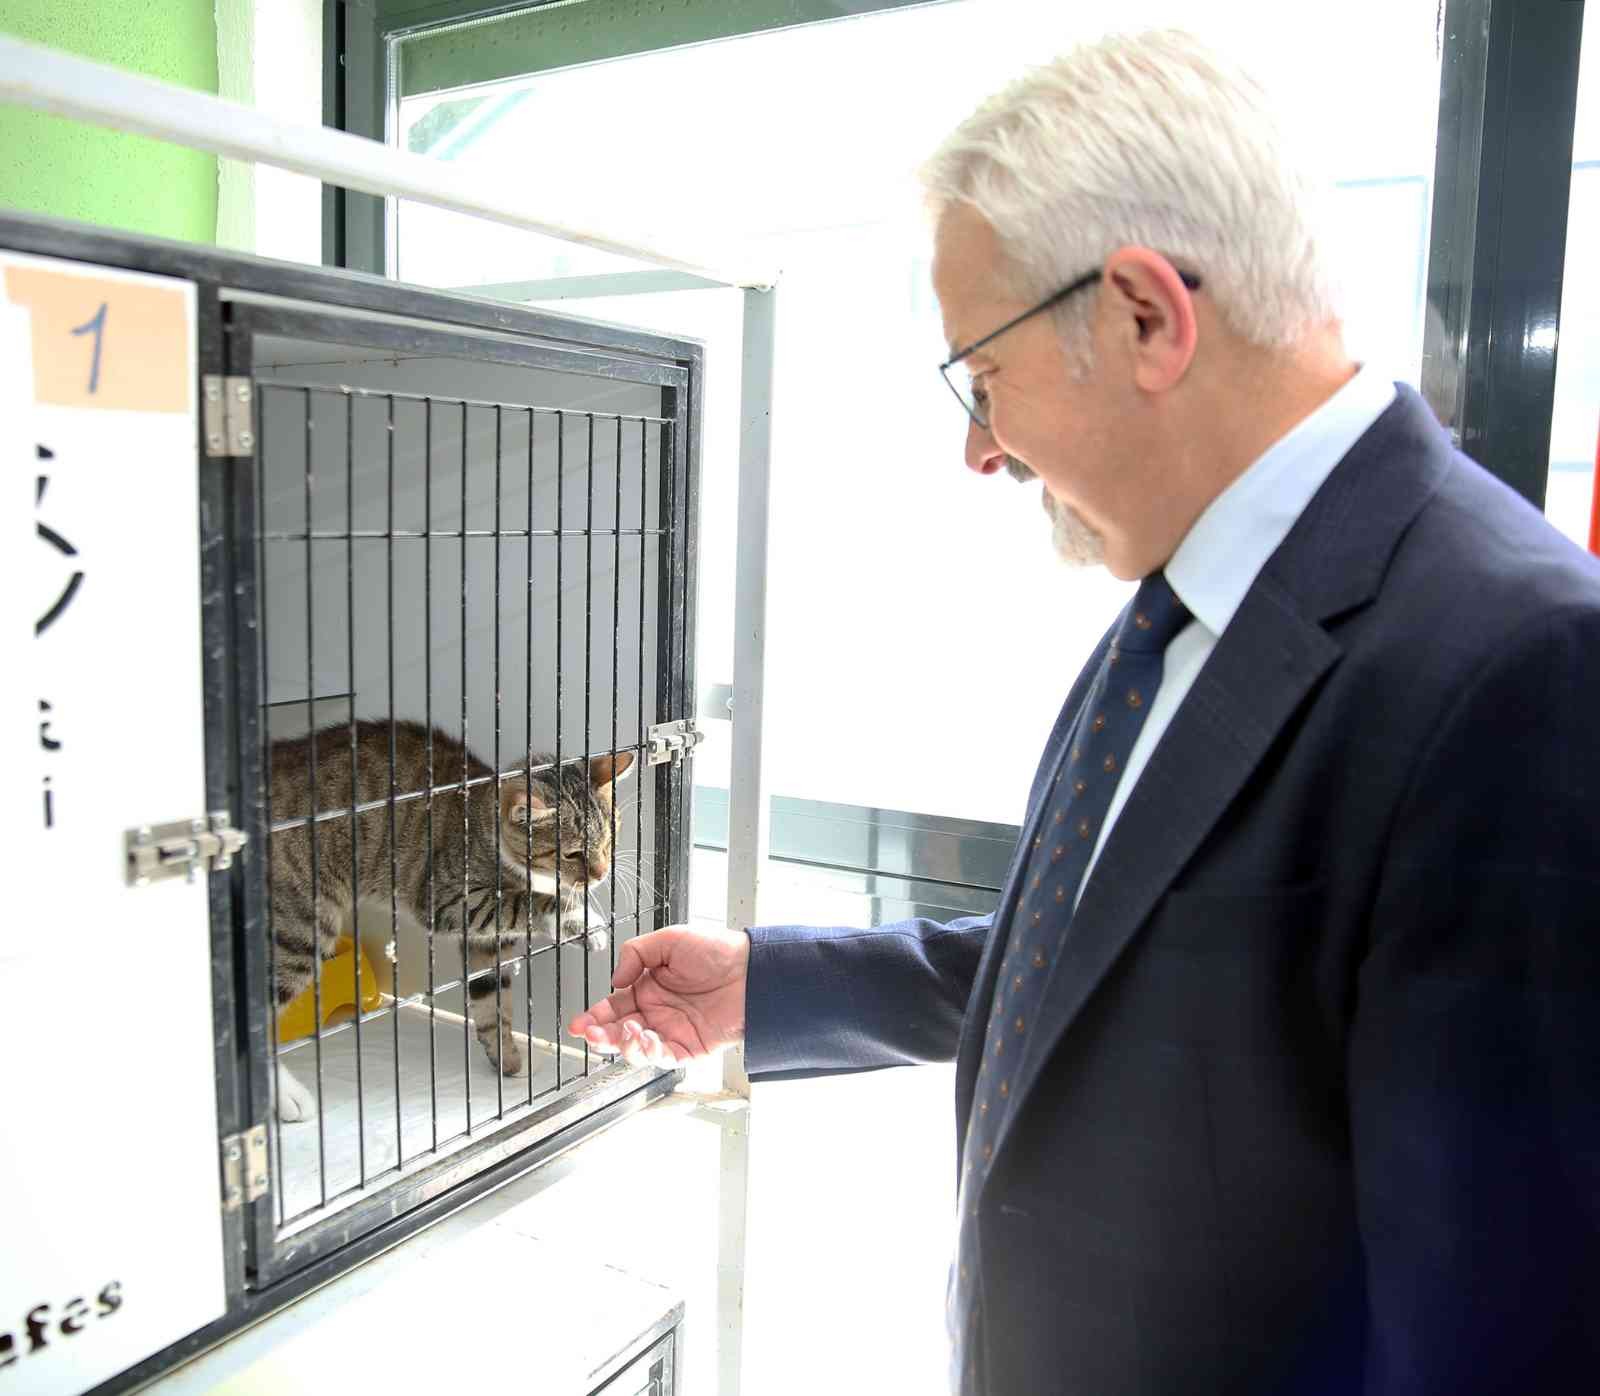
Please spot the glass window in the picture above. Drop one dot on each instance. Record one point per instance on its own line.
(922, 633)
(1575, 427)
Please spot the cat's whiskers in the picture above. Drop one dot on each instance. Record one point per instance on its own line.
(631, 870)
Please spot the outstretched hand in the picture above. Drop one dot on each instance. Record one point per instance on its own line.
(677, 994)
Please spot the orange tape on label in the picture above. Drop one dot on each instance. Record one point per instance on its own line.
(99, 342)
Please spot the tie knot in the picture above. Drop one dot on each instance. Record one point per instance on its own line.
(1153, 618)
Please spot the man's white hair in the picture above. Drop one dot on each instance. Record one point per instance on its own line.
(1153, 140)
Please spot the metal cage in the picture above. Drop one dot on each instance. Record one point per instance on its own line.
(417, 506)
(490, 539)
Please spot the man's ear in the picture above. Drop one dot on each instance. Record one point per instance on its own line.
(1146, 290)
(605, 771)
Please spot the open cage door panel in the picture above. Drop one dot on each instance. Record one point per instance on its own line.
(469, 562)
(108, 1067)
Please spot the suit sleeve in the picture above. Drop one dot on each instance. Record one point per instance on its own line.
(1474, 1062)
(831, 1000)
(823, 1000)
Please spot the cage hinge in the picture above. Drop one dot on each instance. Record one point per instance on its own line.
(672, 741)
(244, 1167)
(156, 852)
(226, 416)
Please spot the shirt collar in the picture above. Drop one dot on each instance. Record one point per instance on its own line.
(1230, 542)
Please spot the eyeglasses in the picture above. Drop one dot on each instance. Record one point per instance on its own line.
(961, 384)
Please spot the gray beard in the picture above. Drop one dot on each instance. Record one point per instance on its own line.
(1076, 543)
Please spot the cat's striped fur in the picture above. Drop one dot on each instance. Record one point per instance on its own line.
(479, 845)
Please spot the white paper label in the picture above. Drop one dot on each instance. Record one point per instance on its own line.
(109, 1189)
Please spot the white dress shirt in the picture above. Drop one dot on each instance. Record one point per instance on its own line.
(1229, 544)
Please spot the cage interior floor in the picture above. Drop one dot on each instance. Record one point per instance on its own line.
(443, 1077)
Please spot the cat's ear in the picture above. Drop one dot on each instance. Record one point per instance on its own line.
(604, 771)
(521, 805)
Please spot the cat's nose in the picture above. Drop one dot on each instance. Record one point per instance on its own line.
(597, 872)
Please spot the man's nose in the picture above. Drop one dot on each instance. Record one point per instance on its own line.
(983, 455)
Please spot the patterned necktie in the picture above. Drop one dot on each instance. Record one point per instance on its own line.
(1074, 811)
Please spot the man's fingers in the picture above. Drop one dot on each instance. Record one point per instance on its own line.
(635, 1043)
(608, 1037)
(604, 1039)
(607, 1013)
(643, 1047)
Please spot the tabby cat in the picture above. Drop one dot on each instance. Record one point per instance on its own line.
(501, 838)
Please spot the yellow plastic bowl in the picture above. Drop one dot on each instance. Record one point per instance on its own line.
(338, 993)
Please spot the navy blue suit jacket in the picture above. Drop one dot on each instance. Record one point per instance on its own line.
(1314, 1104)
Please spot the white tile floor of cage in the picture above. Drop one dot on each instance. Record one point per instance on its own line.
(355, 1148)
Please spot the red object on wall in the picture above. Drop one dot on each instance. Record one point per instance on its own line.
(1594, 505)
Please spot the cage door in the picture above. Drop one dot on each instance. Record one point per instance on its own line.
(470, 612)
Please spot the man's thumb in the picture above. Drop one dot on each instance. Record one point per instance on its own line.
(644, 952)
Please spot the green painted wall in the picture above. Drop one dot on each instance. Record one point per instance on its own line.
(71, 170)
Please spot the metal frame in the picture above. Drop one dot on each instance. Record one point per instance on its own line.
(219, 621)
(1503, 175)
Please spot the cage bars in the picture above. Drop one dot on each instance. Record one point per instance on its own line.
(264, 816)
(561, 711)
(616, 683)
(466, 803)
(350, 683)
(427, 661)
(638, 779)
(588, 688)
(394, 858)
(499, 869)
(482, 676)
(311, 723)
(527, 760)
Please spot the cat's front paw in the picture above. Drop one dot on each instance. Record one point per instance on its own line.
(295, 1102)
(503, 1053)
(595, 938)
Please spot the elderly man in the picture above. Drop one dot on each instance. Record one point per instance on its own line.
(1277, 1064)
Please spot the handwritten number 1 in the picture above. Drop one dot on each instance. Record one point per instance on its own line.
(98, 325)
